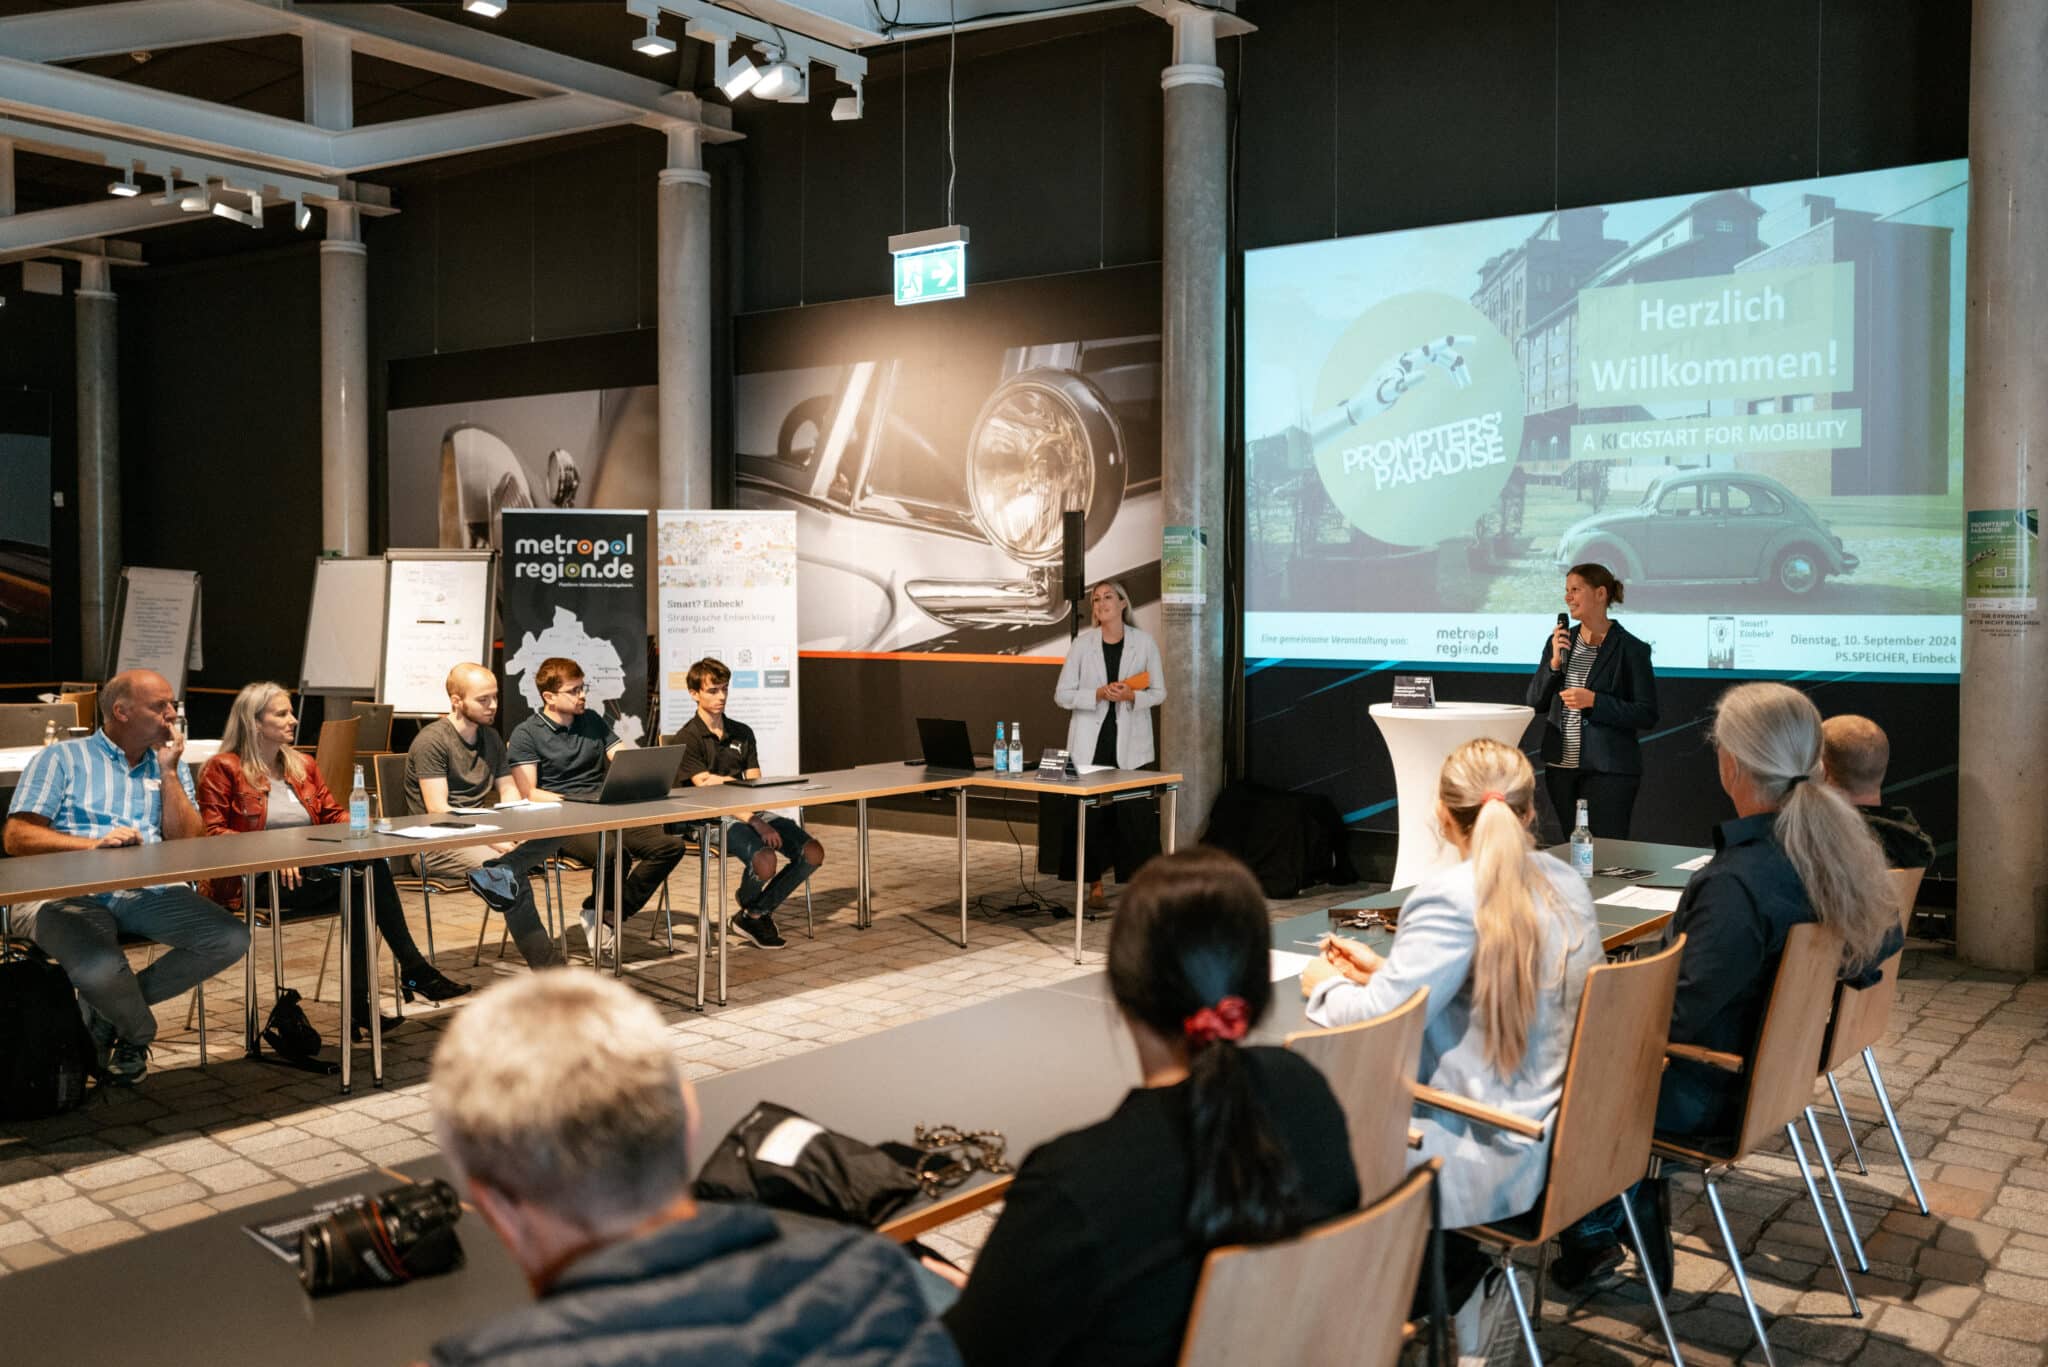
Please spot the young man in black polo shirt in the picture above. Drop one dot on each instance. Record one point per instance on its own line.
(717, 749)
(559, 753)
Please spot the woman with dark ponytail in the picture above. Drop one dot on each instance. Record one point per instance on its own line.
(1103, 1233)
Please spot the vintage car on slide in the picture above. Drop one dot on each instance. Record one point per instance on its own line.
(934, 523)
(1711, 527)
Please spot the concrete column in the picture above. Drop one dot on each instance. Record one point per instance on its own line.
(683, 322)
(2002, 912)
(99, 465)
(344, 387)
(1191, 405)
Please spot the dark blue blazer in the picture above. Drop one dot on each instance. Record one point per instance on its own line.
(1624, 702)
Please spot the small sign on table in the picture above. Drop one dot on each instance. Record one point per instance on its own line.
(1414, 690)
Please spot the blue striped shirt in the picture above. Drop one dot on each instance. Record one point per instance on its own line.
(86, 788)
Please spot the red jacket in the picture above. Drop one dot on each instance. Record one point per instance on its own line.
(228, 801)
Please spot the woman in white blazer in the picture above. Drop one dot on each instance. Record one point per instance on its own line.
(1109, 685)
(1503, 941)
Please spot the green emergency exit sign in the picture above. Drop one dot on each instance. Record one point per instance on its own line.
(930, 265)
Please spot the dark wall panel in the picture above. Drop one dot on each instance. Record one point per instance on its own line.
(483, 254)
(588, 205)
(38, 362)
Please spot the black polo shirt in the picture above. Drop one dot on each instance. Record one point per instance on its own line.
(704, 752)
(569, 759)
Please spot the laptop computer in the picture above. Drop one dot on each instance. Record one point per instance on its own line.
(641, 775)
(945, 745)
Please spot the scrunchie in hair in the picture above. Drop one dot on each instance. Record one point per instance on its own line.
(1226, 1020)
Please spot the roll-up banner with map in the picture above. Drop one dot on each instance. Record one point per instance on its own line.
(575, 585)
(728, 591)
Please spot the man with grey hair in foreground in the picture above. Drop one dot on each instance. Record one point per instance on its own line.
(560, 1100)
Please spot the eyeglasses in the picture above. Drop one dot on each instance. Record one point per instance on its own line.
(578, 691)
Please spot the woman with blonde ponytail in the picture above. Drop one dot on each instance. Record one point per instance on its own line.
(1503, 942)
(1796, 852)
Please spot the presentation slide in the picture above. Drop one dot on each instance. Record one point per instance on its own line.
(1748, 404)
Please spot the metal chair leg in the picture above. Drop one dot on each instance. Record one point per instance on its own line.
(1635, 1234)
(1827, 1163)
(1891, 1121)
(1855, 1149)
(481, 927)
(1821, 1212)
(1756, 1317)
(668, 918)
(199, 1001)
(1521, 1313)
(326, 948)
(810, 928)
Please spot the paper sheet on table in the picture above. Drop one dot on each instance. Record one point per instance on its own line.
(438, 832)
(1646, 899)
(523, 805)
(1697, 862)
(471, 811)
(1093, 768)
(1286, 965)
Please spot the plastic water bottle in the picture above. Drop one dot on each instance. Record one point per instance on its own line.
(184, 730)
(1016, 747)
(50, 732)
(1582, 845)
(1002, 751)
(359, 807)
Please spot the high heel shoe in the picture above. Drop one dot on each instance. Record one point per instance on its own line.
(359, 1029)
(429, 982)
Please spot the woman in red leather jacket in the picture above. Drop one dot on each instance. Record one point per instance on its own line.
(258, 782)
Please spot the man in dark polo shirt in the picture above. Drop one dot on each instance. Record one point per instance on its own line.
(559, 753)
(1854, 753)
(717, 749)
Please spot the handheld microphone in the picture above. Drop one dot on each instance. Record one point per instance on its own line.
(1564, 621)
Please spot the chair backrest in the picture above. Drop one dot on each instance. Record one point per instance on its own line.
(1600, 1140)
(1367, 1065)
(1339, 1292)
(390, 786)
(87, 701)
(1863, 1014)
(1788, 1049)
(23, 723)
(375, 717)
(336, 756)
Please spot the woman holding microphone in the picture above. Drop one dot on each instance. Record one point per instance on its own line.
(1597, 689)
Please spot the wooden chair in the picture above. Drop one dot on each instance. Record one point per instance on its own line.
(1600, 1134)
(1780, 1077)
(1367, 1064)
(374, 720)
(1860, 1018)
(335, 757)
(23, 723)
(1338, 1293)
(87, 701)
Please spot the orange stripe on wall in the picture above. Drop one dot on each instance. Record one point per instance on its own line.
(932, 656)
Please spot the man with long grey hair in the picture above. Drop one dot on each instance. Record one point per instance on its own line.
(559, 1098)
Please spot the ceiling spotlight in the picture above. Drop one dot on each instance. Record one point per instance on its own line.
(739, 78)
(780, 81)
(653, 45)
(847, 107)
(125, 187)
(489, 9)
(302, 217)
(251, 217)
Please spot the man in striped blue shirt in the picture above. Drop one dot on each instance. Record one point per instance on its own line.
(100, 793)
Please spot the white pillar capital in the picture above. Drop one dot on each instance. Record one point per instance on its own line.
(1190, 73)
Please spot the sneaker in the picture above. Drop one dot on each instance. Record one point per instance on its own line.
(126, 1063)
(1578, 1267)
(759, 931)
(1485, 1324)
(596, 933)
(496, 884)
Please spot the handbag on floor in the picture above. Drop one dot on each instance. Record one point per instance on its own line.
(288, 1031)
(46, 1054)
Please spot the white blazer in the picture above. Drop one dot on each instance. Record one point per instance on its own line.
(1082, 674)
(1488, 1174)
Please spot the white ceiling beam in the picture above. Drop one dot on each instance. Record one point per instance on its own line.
(118, 156)
(71, 35)
(328, 76)
(472, 55)
(33, 234)
(440, 135)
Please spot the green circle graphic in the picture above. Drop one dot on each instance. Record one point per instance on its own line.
(1430, 424)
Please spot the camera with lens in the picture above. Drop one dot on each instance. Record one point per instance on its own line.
(396, 1236)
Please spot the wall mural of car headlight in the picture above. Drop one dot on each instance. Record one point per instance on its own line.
(929, 459)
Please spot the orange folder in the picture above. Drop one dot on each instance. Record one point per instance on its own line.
(1138, 681)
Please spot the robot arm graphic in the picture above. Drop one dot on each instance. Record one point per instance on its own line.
(1396, 377)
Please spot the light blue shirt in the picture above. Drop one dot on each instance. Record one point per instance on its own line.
(86, 788)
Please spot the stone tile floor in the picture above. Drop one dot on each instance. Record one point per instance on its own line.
(1966, 1066)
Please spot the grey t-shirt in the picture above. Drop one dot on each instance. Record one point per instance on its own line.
(285, 808)
(471, 768)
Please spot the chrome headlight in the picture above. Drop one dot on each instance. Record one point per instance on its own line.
(1045, 443)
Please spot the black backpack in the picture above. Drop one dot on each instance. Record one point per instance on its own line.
(46, 1055)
